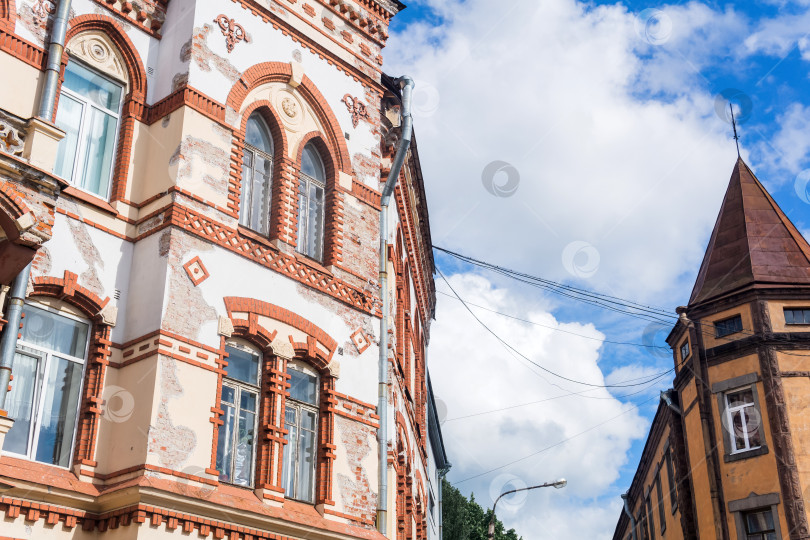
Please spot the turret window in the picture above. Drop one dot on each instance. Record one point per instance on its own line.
(729, 326)
(743, 420)
(759, 525)
(797, 316)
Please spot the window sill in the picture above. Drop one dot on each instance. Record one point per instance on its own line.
(762, 450)
(312, 263)
(92, 200)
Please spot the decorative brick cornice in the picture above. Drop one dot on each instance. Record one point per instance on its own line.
(147, 15)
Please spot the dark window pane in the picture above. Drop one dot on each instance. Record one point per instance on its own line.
(311, 164)
(243, 365)
(728, 326)
(256, 134)
(54, 332)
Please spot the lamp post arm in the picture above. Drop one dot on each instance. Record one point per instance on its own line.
(491, 531)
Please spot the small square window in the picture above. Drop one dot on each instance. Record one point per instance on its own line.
(729, 326)
(797, 316)
(685, 350)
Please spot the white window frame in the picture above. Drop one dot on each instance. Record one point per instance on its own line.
(39, 396)
(741, 408)
(303, 210)
(299, 406)
(239, 387)
(81, 147)
(245, 221)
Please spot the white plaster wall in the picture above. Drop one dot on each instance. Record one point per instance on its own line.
(176, 31)
(68, 252)
(358, 376)
(146, 290)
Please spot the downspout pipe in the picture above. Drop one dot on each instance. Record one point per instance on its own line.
(626, 501)
(47, 99)
(406, 84)
(47, 103)
(8, 343)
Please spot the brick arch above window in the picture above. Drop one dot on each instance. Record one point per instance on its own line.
(115, 32)
(282, 72)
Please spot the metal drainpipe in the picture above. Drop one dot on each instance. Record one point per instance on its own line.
(47, 102)
(625, 499)
(406, 83)
(442, 474)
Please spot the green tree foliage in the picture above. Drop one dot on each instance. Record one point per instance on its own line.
(465, 519)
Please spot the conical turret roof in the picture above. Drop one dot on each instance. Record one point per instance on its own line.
(753, 243)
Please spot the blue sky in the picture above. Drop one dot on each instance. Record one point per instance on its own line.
(606, 113)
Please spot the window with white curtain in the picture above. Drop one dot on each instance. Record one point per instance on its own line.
(301, 423)
(236, 443)
(45, 393)
(257, 172)
(89, 111)
(311, 188)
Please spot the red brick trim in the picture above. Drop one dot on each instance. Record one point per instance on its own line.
(365, 194)
(190, 97)
(134, 107)
(145, 20)
(19, 48)
(266, 309)
(8, 14)
(68, 290)
(12, 207)
(278, 71)
(201, 272)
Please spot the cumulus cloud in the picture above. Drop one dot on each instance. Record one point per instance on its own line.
(501, 409)
(551, 88)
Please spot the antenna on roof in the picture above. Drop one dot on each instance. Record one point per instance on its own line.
(734, 125)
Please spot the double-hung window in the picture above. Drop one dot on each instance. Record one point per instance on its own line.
(89, 110)
(257, 172)
(743, 420)
(44, 399)
(685, 351)
(301, 423)
(311, 189)
(236, 442)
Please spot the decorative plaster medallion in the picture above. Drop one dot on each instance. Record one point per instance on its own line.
(11, 141)
(289, 106)
(356, 108)
(232, 30)
(96, 49)
(196, 271)
(294, 111)
(360, 340)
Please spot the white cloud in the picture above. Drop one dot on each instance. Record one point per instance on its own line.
(472, 373)
(789, 148)
(552, 89)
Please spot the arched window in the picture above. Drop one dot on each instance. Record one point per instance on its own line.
(311, 190)
(236, 442)
(257, 171)
(48, 373)
(89, 111)
(301, 423)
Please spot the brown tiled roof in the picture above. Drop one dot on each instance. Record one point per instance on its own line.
(753, 243)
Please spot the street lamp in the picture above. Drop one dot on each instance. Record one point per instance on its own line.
(556, 484)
